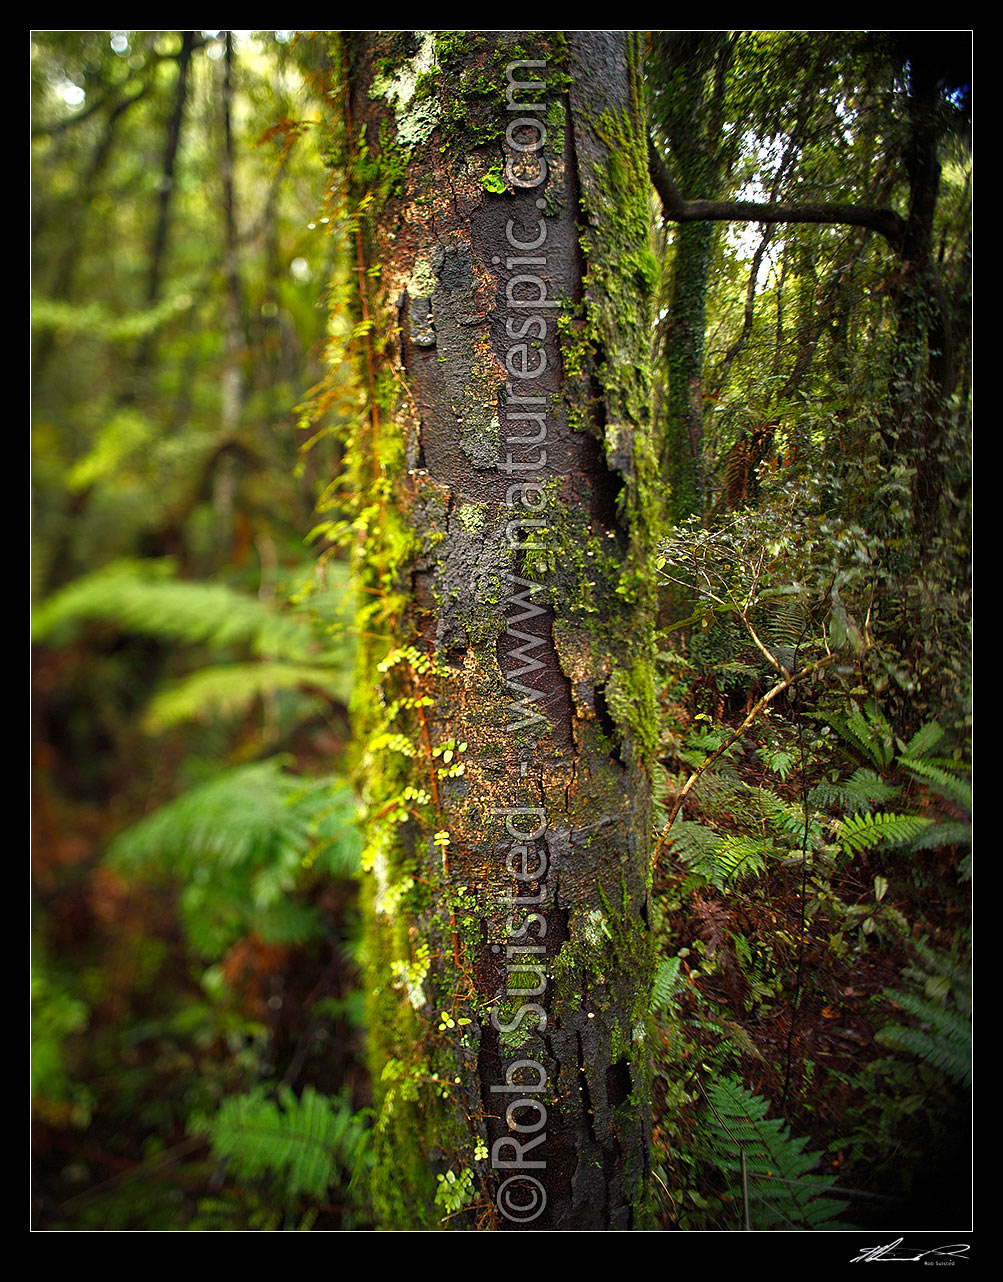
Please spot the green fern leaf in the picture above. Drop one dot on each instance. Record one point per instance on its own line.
(941, 781)
(233, 688)
(666, 984)
(941, 1032)
(924, 740)
(144, 597)
(865, 832)
(241, 842)
(301, 1144)
(784, 1190)
(943, 833)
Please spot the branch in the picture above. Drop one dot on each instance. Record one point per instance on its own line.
(676, 209)
(788, 681)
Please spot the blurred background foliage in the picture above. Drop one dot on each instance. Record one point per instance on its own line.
(194, 846)
(196, 1044)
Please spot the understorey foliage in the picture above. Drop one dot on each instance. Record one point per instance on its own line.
(814, 816)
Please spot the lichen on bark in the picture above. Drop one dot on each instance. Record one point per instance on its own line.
(503, 489)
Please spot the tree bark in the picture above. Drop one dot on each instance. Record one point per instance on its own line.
(503, 477)
(695, 66)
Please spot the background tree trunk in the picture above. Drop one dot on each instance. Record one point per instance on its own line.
(503, 478)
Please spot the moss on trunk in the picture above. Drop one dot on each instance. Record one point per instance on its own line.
(502, 483)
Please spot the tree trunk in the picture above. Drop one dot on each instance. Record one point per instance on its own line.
(502, 485)
(694, 65)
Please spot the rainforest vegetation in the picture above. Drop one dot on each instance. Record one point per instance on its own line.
(262, 601)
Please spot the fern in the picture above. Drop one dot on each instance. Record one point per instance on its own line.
(241, 841)
(924, 740)
(784, 1192)
(660, 789)
(864, 788)
(865, 832)
(301, 1144)
(786, 629)
(666, 984)
(779, 760)
(144, 597)
(233, 688)
(944, 782)
(690, 840)
(868, 733)
(941, 1034)
(733, 857)
(718, 787)
(944, 1040)
(787, 818)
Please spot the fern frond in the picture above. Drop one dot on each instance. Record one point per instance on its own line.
(941, 1035)
(233, 688)
(233, 818)
(943, 1039)
(863, 788)
(865, 832)
(867, 733)
(300, 1143)
(943, 973)
(718, 787)
(666, 984)
(784, 1190)
(726, 859)
(144, 597)
(779, 760)
(689, 839)
(940, 834)
(941, 781)
(660, 789)
(241, 842)
(924, 740)
(786, 627)
(787, 817)
(949, 1055)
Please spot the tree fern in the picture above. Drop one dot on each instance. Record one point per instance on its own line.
(299, 1144)
(783, 1189)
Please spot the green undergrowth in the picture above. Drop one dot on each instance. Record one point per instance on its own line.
(801, 868)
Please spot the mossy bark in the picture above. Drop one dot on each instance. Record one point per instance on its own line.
(693, 67)
(503, 477)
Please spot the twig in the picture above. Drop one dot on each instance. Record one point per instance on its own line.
(788, 681)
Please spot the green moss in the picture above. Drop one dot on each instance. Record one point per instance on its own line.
(494, 181)
(451, 45)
